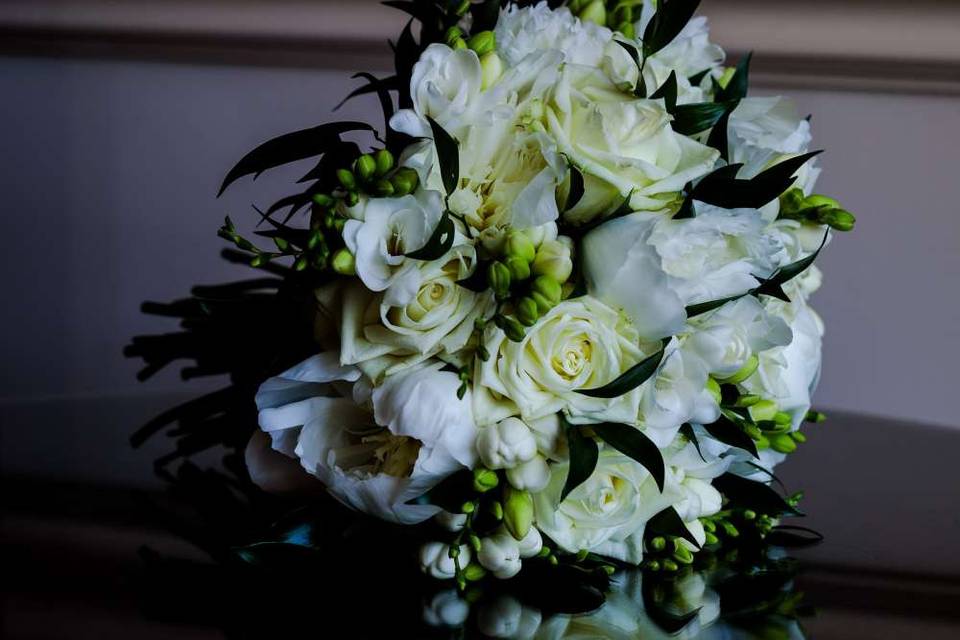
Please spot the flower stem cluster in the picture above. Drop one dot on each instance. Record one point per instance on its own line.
(376, 175)
(817, 209)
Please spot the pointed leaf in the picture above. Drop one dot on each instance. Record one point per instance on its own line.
(640, 89)
(484, 15)
(697, 78)
(448, 155)
(687, 431)
(439, 243)
(631, 442)
(667, 23)
(689, 119)
(701, 308)
(719, 135)
(584, 454)
(736, 89)
(669, 523)
(794, 537)
(667, 91)
(576, 188)
(787, 273)
(729, 432)
(722, 188)
(631, 378)
(755, 495)
(290, 147)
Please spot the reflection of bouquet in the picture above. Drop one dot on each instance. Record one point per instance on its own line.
(559, 309)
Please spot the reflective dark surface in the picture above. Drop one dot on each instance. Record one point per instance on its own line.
(95, 562)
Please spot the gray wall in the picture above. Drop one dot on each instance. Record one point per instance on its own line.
(108, 171)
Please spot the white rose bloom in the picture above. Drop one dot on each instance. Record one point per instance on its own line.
(726, 338)
(579, 344)
(435, 560)
(532, 475)
(500, 555)
(378, 449)
(788, 375)
(506, 444)
(606, 514)
(624, 142)
(445, 83)
(438, 321)
(379, 234)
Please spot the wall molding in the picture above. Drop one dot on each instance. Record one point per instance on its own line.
(881, 45)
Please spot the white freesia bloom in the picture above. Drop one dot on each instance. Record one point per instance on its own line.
(377, 449)
(606, 514)
(506, 444)
(579, 344)
(435, 560)
(381, 231)
(500, 554)
(532, 475)
(674, 395)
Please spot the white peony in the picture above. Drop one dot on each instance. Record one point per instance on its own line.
(381, 231)
(374, 449)
(579, 344)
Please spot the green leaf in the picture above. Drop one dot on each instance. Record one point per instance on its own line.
(793, 536)
(729, 432)
(697, 78)
(736, 89)
(631, 378)
(640, 89)
(701, 308)
(689, 119)
(687, 431)
(772, 285)
(754, 495)
(667, 23)
(440, 241)
(448, 156)
(288, 148)
(719, 136)
(630, 441)
(668, 91)
(669, 523)
(576, 188)
(583, 459)
(722, 188)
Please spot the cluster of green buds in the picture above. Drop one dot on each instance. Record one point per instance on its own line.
(666, 553)
(312, 248)
(527, 281)
(377, 175)
(816, 209)
(616, 14)
(732, 523)
(484, 44)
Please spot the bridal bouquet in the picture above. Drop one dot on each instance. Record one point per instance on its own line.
(553, 313)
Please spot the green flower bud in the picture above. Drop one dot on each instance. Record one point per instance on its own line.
(747, 400)
(839, 219)
(384, 161)
(548, 288)
(519, 268)
(798, 437)
(682, 555)
(511, 327)
(753, 431)
(782, 443)
(483, 42)
(627, 29)
(491, 67)
(791, 201)
(474, 572)
(727, 76)
(658, 544)
(475, 542)
(553, 259)
(730, 530)
(498, 277)
(520, 245)
(323, 200)
(404, 181)
(783, 418)
(652, 565)
(817, 200)
(763, 443)
(468, 507)
(670, 565)
(383, 188)
(708, 525)
(527, 312)
(300, 264)
(282, 244)
(352, 199)
(744, 372)
(595, 12)
(517, 512)
(484, 480)
(496, 510)
(749, 514)
(347, 179)
(462, 8)
(582, 555)
(763, 410)
(710, 538)
(453, 34)
(543, 305)
(713, 387)
(365, 167)
(815, 416)
(344, 263)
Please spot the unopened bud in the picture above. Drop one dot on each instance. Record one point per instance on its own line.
(484, 480)
(323, 199)
(491, 67)
(815, 416)
(548, 288)
(474, 572)
(744, 372)
(627, 29)
(553, 260)
(520, 245)
(452, 35)
(517, 512)
(511, 327)
(365, 166)
(384, 161)
(792, 201)
(543, 305)
(727, 76)
(483, 42)
(344, 263)
(839, 219)
(496, 510)
(710, 538)
(383, 188)
(799, 437)
(763, 410)
(713, 387)
(782, 443)
(658, 544)
(498, 277)
(782, 418)
(817, 200)
(404, 181)
(347, 179)
(670, 565)
(747, 400)
(594, 12)
(352, 199)
(527, 312)
(519, 268)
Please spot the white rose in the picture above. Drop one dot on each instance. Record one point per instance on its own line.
(379, 234)
(378, 449)
(445, 83)
(506, 444)
(579, 344)
(625, 142)
(435, 560)
(606, 514)
(500, 555)
(532, 475)
(726, 338)
(438, 321)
